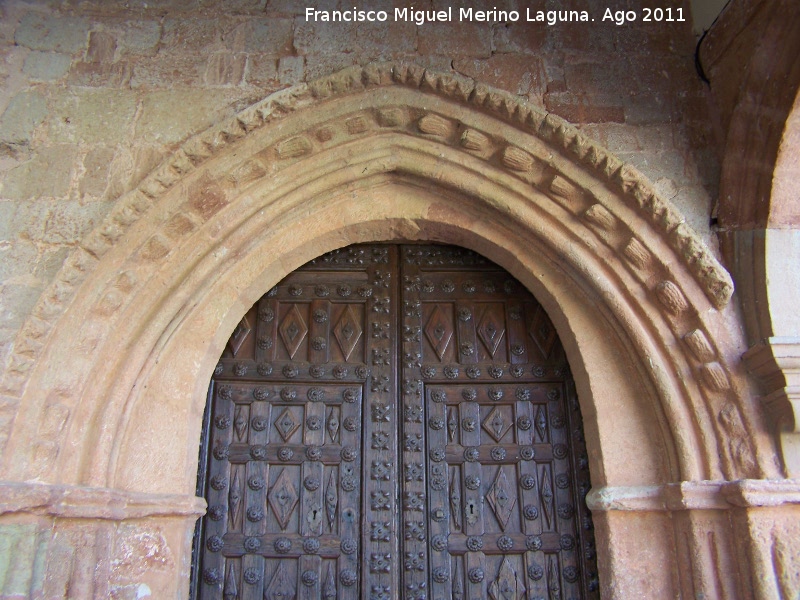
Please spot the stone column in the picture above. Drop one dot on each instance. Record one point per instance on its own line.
(735, 540)
(75, 542)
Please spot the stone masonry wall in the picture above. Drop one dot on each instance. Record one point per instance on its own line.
(94, 94)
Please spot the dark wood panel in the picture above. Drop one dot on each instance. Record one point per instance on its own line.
(396, 421)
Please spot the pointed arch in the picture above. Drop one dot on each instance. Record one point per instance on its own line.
(381, 152)
(111, 369)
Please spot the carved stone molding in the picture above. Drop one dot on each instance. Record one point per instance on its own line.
(776, 364)
(696, 495)
(418, 122)
(79, 502)
(555, 132)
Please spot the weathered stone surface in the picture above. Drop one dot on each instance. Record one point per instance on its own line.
(129, 166)
(96, 163)
(225, 68)
(57, 33)
(160, 123)
(16, 302)
(454, 40)
(578, 109)
(521, 75)
(137, 37)
(264, 36)
(46, 66)
(17, 260)
(91, 116)
(291, 70)
(68, 222)
(20, 547)
(102, 47)
(165, 71)
(47, 174)
(262, 70)
(25, 112)
(96, 74)
(192, 36)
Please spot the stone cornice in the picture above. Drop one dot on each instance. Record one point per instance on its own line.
(696, 495)
(77, 502)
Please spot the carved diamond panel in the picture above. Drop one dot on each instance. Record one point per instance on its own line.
(347, 332)
(283, 498)
(281, 587)
(542, 332)
(239, 335)
(497, 423)
(507, 586)
(234, 498)
(491, 329)
(293, 330)
(331, 501)
(439, 331)
(502, 498)
(286, 424)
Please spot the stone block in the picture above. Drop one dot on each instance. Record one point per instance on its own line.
(17, 261)
(16, 303)
(647, 108)
(7, 229)
(50, 262)
(47, 175)
(265, 36)
(382, 41)
(591, 39)
(192, 36)
(238, 6)
(291, 70)
(139, 37)
(92, 116)
(24, 113)
(324, 38)
(94, 181)
(171, 117)
(22, 220)
(455, 39)
(319, 65)
(669, 38)
(601, 78)
(95, 74)
(102, 47)
(55, 33)
(68, 222)
(46, 66)
(262, 70)
(580, 109)
(519, 37)
(129, 167)
(19, 548)
(169, 71)
(523, 75)
(291, 7)
(225, 68)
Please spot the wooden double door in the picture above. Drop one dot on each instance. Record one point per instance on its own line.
(395, 422)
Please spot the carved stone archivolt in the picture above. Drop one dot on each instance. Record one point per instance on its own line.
(321, 165)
